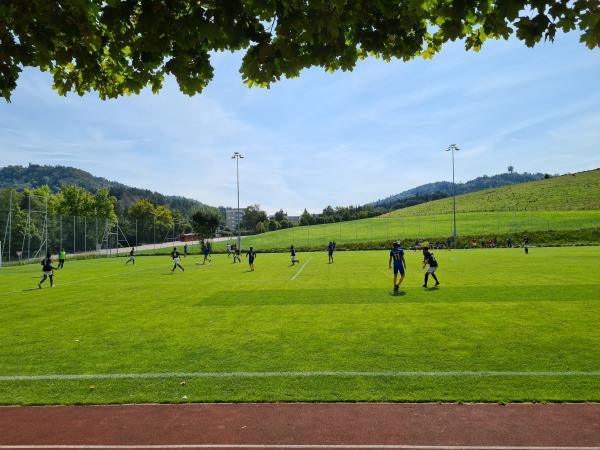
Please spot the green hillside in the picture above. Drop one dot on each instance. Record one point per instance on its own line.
(561, 210)
(578, 191)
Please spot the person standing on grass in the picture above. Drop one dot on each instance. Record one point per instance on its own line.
(293, 255)
(251, 255)
(228, 250)
(206, 253)
(62, 255)
(185, 250)
(131, 257)
(397, 256)
(330, 249)
(47, 270)
(429, 259)
(526, 244)
(176, 260)
(236, 254)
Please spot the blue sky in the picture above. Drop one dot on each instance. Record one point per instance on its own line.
(339, 139)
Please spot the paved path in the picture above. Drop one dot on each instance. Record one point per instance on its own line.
(302, 425)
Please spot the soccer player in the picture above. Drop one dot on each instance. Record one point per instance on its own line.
(206, 253)
(293, 255)
(428, 258)
(526, 244)
(62, 255)
(330, 249)
(185, 250)
(131, 257)
(397, 255)
(236, 254)
(251, 255)
(228, 250)
(176, 260)
(47, 270)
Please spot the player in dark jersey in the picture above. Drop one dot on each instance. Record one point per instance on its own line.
(429, 259)
(251, 255)
(526, 244)
(131, 257)
(176, 260)
(185, 250)
(293, 255)
(236, 254)
(397, 256)
(330, 249)
(47, 270)
(206, 253)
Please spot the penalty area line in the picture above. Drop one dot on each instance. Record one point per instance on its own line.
(301, 269)
(292, 374)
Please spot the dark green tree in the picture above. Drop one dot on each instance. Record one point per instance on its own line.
(117, 47)
(252, 216)
(205, 221)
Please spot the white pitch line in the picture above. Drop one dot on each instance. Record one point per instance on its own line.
(307, 374)
(301, 268)
(302, 446)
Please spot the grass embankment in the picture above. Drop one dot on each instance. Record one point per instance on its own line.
(496, 310)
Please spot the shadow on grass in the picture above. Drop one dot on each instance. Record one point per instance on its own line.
(471, 294)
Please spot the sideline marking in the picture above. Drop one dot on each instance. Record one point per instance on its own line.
(390, 374)
(301, 268)
(302, 446)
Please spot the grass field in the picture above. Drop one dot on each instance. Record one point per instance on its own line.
(312, 327)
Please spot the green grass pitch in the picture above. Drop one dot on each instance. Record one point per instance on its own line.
(496, 310)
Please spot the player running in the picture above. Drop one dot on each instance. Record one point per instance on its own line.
(228, 250)
(176, 260)
(47, 270)
(293, 255)
(330, 249)
(131, 257)
(206, 253)
(429, 259)
(251, 255)
(62, 255)
(397, 255)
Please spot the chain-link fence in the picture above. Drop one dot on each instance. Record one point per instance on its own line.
(28, 235)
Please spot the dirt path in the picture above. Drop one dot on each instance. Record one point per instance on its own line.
(281, 426)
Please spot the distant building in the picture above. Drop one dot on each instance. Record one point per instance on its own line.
(294, 219)
(231, 216)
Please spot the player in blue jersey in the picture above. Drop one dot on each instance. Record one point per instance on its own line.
(251, 255)
(206, 253)
(330, 249)
(397, 257)
(429, 259)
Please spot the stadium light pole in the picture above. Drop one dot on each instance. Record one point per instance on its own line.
(453, 148)
(237, 156)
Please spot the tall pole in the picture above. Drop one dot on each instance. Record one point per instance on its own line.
(453, 148)
(237, 158)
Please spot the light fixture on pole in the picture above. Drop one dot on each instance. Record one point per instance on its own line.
(453, 148)
(237, 156)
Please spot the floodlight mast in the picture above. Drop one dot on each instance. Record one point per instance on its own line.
(237, 156)
(453, 148)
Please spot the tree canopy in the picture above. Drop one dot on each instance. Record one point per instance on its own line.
(117, 47)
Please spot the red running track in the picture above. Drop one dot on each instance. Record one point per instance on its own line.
(303, 425)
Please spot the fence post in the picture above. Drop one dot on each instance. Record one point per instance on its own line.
(84, 234)
(74, 245)
(96, 237)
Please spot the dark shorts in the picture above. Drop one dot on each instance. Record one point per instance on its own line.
(250, 260)
(61, 261)
(398, 268)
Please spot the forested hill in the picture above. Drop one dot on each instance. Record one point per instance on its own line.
(32, 176)
(441, 189)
